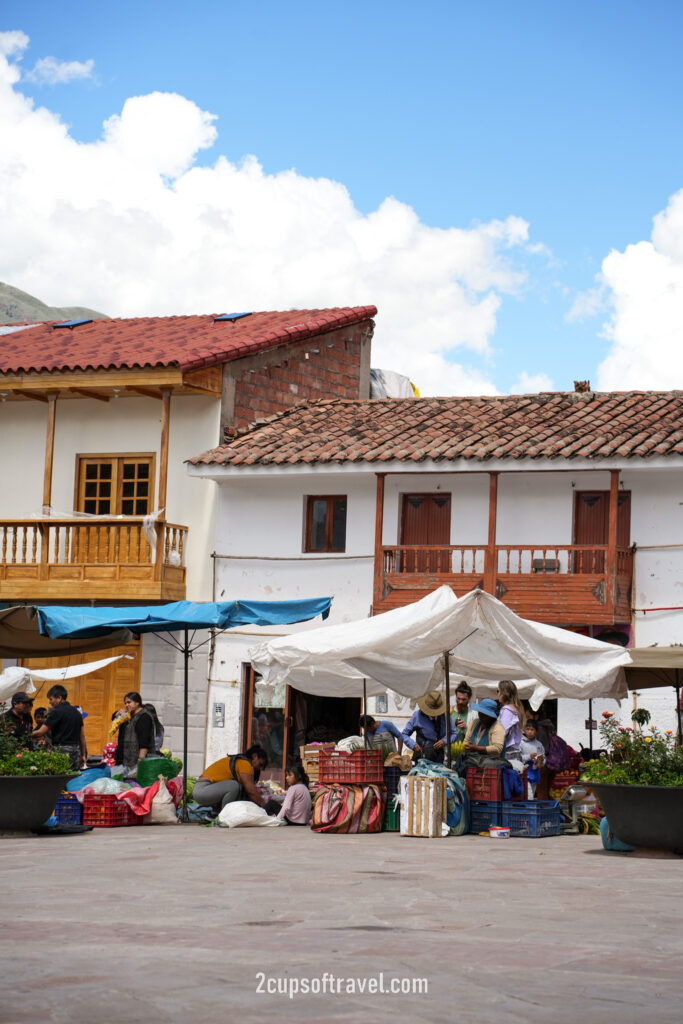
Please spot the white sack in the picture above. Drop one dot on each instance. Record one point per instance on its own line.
(106, 787)
(163, 810)
(244, 813)
(403, 650)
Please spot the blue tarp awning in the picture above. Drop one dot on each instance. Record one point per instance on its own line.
(72, 621)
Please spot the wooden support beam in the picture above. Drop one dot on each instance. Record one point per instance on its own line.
(163, 448)
(611, 556)
(49, 451)
(490, 561)
(97, 395)
(379, 523)
(148, 393)
(36, 395)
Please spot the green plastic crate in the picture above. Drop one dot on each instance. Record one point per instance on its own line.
(392, 817)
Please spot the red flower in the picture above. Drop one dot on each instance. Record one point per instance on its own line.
(607, 714)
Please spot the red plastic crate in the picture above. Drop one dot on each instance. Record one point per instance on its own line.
(484, 784)
(487, 784)
(359, 766)
(105, 811)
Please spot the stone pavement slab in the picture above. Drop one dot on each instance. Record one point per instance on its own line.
(191, 924)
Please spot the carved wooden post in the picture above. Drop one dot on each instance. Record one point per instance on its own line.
(49, 452)
(490, 563)
(611, 560)
(379, 561)
(163, 482)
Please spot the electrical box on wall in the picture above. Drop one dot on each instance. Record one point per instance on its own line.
(218, 721)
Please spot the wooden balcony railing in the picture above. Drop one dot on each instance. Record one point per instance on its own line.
(105, 558)
(566, 583)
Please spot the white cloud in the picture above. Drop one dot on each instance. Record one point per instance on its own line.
(587, 304)
(131, 225)
(645, 284)
(531, 383)
(51, 71)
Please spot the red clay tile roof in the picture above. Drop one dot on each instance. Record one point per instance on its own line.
(553, 425)
(189, 342)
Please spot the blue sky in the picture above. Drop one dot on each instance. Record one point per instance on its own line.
(566, 115)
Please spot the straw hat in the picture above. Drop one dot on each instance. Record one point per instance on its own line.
(432, 704)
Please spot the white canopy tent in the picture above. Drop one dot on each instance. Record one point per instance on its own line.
(404, 649)
(18, 677)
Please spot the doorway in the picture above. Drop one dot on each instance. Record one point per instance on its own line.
(426, 523)
(591, 526)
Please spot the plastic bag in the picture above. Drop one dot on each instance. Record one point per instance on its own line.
(243, 813)
(87, 777)
(106, 787)
(163, 808)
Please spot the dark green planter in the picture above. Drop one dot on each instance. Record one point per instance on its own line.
(649, 816)
(27, 801)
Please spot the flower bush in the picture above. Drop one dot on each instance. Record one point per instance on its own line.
(16, 759)
(636, 756)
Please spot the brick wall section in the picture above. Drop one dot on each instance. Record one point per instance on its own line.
(331, 365)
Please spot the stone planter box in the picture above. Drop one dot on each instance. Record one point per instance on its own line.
(650, 816)
(28, 801)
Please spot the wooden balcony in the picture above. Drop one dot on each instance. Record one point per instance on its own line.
(568, 584)
(83, 559)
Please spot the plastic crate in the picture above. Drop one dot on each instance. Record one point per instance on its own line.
(105, 811)
(392, 818)
(68, 810)
(392, 776)
(484, 784)
(532, 818)
(484, 813)
(359, 766)
(310, 755)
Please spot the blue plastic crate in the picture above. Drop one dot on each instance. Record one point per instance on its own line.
(532, 818)
(68, 810)
(484, 813)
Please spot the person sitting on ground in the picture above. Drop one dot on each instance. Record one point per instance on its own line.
(231, 778)
(374, 728)
(512, 718)
(460, 714)
(135, 737)
(429, 725)
(18, 722)
(485, 734)
(64, 723)
(296, 808)
(533, 756)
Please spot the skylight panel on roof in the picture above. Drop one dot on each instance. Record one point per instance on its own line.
(71, 324)
(229, 316)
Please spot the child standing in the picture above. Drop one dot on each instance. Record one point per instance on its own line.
(533, 756)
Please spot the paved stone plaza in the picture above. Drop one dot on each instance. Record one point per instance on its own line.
(178, 924)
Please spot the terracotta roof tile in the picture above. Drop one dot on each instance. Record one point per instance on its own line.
(551, 425)
(189, 342)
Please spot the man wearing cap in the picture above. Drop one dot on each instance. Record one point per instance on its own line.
(485, 735)
(18, 722)
(429, 725)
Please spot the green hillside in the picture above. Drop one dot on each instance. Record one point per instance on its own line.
(17, 306)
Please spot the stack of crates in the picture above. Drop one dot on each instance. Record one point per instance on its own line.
(524, 818)
(310, 758)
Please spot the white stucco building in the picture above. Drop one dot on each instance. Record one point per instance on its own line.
(568, 507)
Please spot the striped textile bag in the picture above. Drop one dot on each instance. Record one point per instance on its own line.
(346, 808)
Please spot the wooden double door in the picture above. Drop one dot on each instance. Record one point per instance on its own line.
(591, 526)
(426, 522)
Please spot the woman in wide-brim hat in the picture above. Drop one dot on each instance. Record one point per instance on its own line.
(429, 725)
